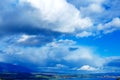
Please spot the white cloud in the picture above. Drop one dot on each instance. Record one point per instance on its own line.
(30, 40)
(64, 16)
(96, 8)
(84, 55)
(61, 66)
(55, 53)
(25, 37)
(80, 53)
(58, 15)
(110, 26)
(84, 34)
(87, 67)
(92, 8)
(109, 59)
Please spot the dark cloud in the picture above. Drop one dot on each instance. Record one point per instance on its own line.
(18, 19)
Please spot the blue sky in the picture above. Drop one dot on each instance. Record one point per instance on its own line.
(59, 33)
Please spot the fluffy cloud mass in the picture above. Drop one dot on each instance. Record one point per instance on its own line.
(108, 27)
(61, 53)
(63, 16)
(87, 67)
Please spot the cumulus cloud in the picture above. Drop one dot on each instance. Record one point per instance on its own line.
(80, 18)
(53, 54)
(87, 68)
(84, 34)
(110, 26)
(64, 16)
(70, 19)
(93, 7)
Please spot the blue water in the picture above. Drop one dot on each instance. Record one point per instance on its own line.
(89, 79)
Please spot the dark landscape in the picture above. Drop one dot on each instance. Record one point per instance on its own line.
(52, 76)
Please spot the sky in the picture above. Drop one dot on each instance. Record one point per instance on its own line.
(59, 33)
